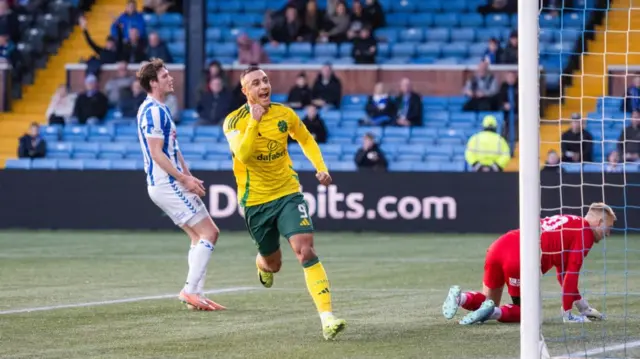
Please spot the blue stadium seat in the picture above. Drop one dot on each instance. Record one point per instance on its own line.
(353, 115)
(405, 166)
(96, 164)
(170, 20)
(101, 133)
(205, 165)
(193, 151)
(178, 35)
(326, 49)
(426, 167)
(219, 20)
(255, 6)
(497, 20)
(455, 49)
(345, 49)
(151, 20)
(437, 116)
(484, 35)
(18, 164)
(438, 34)
(422, 132)
(403, 50)
(68, 164)
(403, 132)
(389, 34)
(217, 148)
(406, 6)
(209, 133)
(277, 50)
(429, 49)
(411, 35)
(421, 20)
(177, 48)
(429, 6)
(478, 49)
(300, 49)
(446, 20)
(547, 20)
(384, 49)
(434, 102)
(128, 165)
(395, 140)
(342, 166)
(213, 34)
(572, 167)
(455, 6)
(59, 150)
(222, 49)
(82, 150)
(51, 133)
(472, 20)
(453, 167)
(165, 34)
(217, 157)
(112, 151)
(423, 60)
(574, 20)
(427, 141)
(230, 6)
(397, 20)
(361, 131)
(44, 164)
(331, 149)
(74, 133)
(463, 35)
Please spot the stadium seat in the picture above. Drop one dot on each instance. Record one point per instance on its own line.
(326, 49)
(69, 164)
(411, 35)
(74, 133)
(112, 151)
(18, 164)
(205, 165)
(497, 20)
(44, 164)
(85, 150)
(128, 165)
(404, 166)
(101, 133)
(342, 166)
(446, 20)
(426, 167)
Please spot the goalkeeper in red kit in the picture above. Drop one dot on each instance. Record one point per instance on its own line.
(565, 241)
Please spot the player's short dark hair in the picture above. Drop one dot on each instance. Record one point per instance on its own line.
(249, 70)
(149, 72)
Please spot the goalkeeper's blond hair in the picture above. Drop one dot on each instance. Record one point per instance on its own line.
(601, 210)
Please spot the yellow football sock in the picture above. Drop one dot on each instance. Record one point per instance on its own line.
(318, 285)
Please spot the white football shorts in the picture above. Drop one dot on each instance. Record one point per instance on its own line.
(182, 206)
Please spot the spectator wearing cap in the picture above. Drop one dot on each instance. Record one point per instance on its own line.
(632, 101)
(629, 140)
(370, 156)
(31, 145)
(487, 151)
(91, 105)
(510, 53)
(300, 94)
(493, 54)
(577, 143)
(129, 19)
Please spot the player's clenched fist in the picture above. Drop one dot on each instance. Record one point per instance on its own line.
(194, 185)
(324, 178)
(257, 111)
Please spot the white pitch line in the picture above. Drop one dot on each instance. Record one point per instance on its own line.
(597, 351)
(120, 301)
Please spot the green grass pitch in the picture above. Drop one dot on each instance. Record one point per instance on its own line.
(389, 288)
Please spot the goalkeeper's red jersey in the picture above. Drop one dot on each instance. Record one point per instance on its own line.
(565, 241)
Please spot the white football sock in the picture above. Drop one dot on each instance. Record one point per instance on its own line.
(200, 287)
(199, 259)
(324, 316)
(497, 313)
(463, 298)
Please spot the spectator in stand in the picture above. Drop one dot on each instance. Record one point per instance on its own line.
(268, 24)
(409, 105)
(499, 7)
(487, 151)
(250, 52)
(327, 90)
(131, 99)
(92, 105)
(493, 54)
(7, 50)
(214, 105)
(157, 7)
(510, 53)
(315, 124)
(300, 94)
(613, 165)
(115, 86)
(338, 25)
(61, 106)
(374, 14)
(129, 19)
(508, 97)
(109, 54)
(358, 20)
(632, 101)
(158, 49)
(313, 21)
(481, 89)
(214, 70)
(370, 156)
(552, 165)
(134, 50)
(629, 140)
(31, 145)
(365, 47)
(577, 143)
(290, 30)
(381, 108)
(9, 24)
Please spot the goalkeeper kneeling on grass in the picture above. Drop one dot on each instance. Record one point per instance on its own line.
(487, 151)
(565, 241)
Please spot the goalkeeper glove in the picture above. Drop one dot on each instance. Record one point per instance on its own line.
(568, 317)
(586, 310)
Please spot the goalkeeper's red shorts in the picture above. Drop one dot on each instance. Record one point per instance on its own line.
(502, 264)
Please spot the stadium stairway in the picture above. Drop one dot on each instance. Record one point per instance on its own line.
(616, 42)
(35, 100)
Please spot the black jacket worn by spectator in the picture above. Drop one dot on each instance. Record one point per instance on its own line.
(213, 108)
(414, 111)
(373, 110)
(160, 52)
(30, 147)
(629, 141)
(317, 128)
(299, 97)
(134, 53)
(94, 105)
(581, 143)
(330, 92)
(375, 15)
(364, 50)
(10, 25)
(105, 55)
(373, 159)
(129, 103)
(510, 55)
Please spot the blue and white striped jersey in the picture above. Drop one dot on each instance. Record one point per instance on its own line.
(154, 121)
